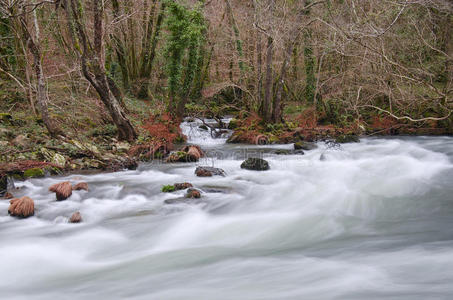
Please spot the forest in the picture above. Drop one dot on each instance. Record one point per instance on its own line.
(96, 72)
(226, 149)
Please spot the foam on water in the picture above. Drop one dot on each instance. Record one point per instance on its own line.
(372, 220)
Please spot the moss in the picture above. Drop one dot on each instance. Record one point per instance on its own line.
(233, 124)
(168, 188)
(34, 173)
(179, 140)
(347, 138)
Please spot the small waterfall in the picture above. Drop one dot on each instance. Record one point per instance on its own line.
(207, 132)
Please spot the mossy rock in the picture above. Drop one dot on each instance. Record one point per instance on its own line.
(347, 138)
(305, 146)
(168, 189)
(34, 173)
(203, 127)
(282, 152)
(255, 164)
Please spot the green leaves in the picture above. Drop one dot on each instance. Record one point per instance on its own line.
(186, 27)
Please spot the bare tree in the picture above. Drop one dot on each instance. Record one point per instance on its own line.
(92, 60)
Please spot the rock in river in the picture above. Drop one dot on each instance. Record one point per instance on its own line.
(193, 193)
(80, 186)
(21, 207)
(305, 146)
(76, 218)
(255, 164)
(182, 186)
(63, 190)
(209, 171)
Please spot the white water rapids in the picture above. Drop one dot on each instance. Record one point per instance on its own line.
(372, 221)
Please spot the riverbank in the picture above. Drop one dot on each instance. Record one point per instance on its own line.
(28, 152)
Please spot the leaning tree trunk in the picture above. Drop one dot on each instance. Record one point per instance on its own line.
(93, 62)
(41, 93)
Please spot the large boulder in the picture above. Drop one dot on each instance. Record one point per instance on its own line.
(255, 164)
(62, 190)
(21, 207)
(209, 171)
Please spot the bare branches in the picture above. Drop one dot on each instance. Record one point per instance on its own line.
(407, 117)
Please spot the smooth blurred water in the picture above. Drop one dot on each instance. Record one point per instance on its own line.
(372, 221)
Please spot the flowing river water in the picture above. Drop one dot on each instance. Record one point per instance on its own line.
(373, 220)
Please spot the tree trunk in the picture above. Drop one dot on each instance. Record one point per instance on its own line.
(268, 92)
(93, 63)
(277, 111)
(41, 93)
(238, 40)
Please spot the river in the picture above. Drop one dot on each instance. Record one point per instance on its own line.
(373, 220)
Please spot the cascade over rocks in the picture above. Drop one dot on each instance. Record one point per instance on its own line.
(209, 171)
(63, 190)
(255, 164)
(21, 207)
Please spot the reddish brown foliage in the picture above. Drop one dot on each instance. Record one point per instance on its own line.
(63, 190)
(308, 118)
(163, 128)
(21, 207)
(383, 123)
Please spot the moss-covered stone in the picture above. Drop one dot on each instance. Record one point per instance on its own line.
(168, 188)
(347, 138)
(305, 146)
(34, 173)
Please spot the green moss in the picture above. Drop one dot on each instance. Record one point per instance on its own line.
(233, 124)
(347, 138)
(34, 173)
(168, 188)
